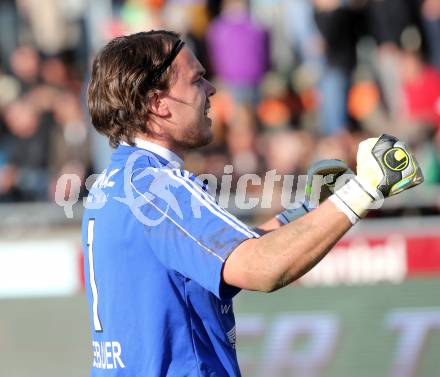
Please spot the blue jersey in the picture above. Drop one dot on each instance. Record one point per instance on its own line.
(154, 245)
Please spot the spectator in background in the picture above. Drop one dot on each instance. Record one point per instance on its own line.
(303, 33)
(430, 12)
(421, 90)
(8, 31)
(53, 26)
(26, 166)
(44, 133)
(387, 22)
(340, 24)
(55, 73)
(239, 50)
(25, 65)
(275, 15)
(421, 110)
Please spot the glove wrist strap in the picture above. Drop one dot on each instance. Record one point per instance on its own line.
(353, 200)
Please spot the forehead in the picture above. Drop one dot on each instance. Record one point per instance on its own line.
(186, 64)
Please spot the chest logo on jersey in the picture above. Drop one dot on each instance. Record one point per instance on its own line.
(104, 179)
(97, 197)
(107, 355)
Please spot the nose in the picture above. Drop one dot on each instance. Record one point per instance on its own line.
(210, 88)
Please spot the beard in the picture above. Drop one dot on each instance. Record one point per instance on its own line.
(196, 136)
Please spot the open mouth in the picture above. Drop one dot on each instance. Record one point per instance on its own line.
(207, 109)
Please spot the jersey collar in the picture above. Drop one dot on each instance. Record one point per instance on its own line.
(163, 152)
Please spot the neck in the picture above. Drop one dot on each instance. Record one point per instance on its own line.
(164, 143)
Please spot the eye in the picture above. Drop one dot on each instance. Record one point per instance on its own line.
(199, 78)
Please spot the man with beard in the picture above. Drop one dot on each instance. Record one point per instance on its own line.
(162, 259)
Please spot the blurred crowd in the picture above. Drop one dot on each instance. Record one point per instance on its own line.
(297, 81)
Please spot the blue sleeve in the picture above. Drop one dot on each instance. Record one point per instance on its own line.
(186, 229)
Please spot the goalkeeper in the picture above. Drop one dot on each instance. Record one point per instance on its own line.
(160, 293)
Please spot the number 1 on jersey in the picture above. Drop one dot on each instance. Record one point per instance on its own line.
(96, 321)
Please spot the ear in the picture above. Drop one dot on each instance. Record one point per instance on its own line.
(159, 106)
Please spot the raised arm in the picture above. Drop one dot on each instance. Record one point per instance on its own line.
(385, 167)
(283, 255)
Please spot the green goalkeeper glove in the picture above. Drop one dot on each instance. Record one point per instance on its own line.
(321, 179)
(385, 167)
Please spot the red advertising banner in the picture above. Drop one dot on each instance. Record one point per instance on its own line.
(368, 259)
(423, 256)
